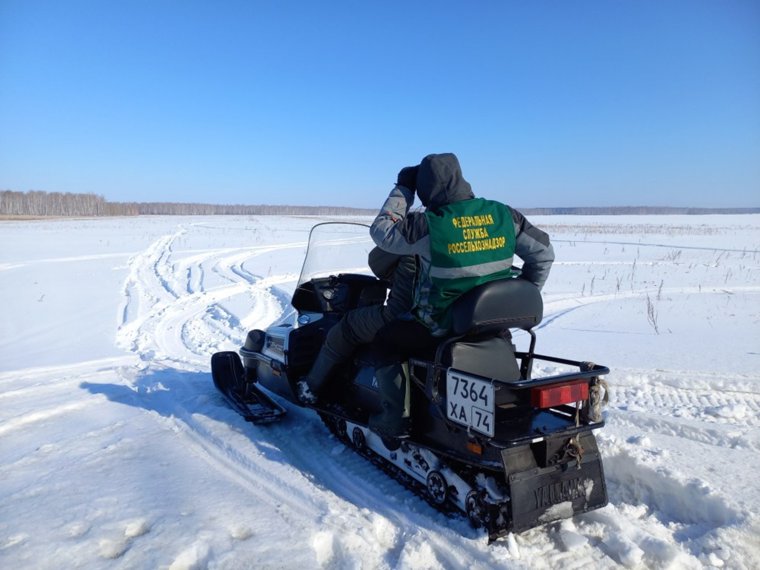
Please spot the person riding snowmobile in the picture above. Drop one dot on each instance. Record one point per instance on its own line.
(459, 242)
(408, 245)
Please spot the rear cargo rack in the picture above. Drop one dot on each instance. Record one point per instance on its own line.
(547, 422)
(587, 370)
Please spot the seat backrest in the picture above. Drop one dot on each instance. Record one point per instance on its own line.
(497, 305)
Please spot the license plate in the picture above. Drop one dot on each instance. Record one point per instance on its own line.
(470, 401)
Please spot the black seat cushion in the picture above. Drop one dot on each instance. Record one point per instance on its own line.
(492, 357)
(498, 305)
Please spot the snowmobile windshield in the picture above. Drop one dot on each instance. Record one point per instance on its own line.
(334, 248)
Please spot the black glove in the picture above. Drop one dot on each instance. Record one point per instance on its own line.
(408, 177)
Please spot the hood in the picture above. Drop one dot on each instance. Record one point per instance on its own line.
(440, 182)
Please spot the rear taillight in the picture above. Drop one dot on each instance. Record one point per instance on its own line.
(558, 394)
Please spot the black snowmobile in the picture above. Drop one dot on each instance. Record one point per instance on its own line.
(487, 439)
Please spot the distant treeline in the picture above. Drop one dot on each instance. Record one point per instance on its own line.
(40, 204)
(633, 211)
(37, 203)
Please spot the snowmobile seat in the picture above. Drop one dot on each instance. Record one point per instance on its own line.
(487, 310)
(496, 306)
(481, 320)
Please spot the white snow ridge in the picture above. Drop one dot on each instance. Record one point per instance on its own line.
(117, 452)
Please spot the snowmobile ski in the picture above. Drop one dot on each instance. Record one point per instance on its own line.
(244, 396)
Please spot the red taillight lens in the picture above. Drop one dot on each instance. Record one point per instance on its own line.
(558, 394)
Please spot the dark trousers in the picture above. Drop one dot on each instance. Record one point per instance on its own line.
(360, 326)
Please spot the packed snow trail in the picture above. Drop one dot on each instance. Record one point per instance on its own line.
(173, 311)
(127, 457)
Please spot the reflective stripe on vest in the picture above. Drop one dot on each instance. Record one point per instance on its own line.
(479, 270)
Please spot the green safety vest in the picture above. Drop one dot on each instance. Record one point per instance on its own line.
(471, 242)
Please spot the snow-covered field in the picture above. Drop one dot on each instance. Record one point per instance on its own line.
(116, 451)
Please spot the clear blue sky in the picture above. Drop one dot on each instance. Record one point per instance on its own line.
(563, 103)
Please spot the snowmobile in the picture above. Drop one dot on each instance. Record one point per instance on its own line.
(488, 440)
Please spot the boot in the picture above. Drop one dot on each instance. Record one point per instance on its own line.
(394, 420)
(336, 350)
(312, 386)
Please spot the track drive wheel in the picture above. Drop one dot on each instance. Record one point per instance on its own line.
(437, 488)
(358, 439)
(342, 429)
(476, 510)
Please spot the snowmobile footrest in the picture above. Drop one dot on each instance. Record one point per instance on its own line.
(244, 397)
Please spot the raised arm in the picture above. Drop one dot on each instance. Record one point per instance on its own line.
(395, 229)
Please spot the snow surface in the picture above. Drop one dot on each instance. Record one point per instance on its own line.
(116, 451)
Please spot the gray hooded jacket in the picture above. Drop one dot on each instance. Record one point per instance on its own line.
(398, 231)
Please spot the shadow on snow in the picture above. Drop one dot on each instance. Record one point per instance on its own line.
(299, 440)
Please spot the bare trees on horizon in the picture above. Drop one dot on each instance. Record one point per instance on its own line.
(40, 204)
(37, 203)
